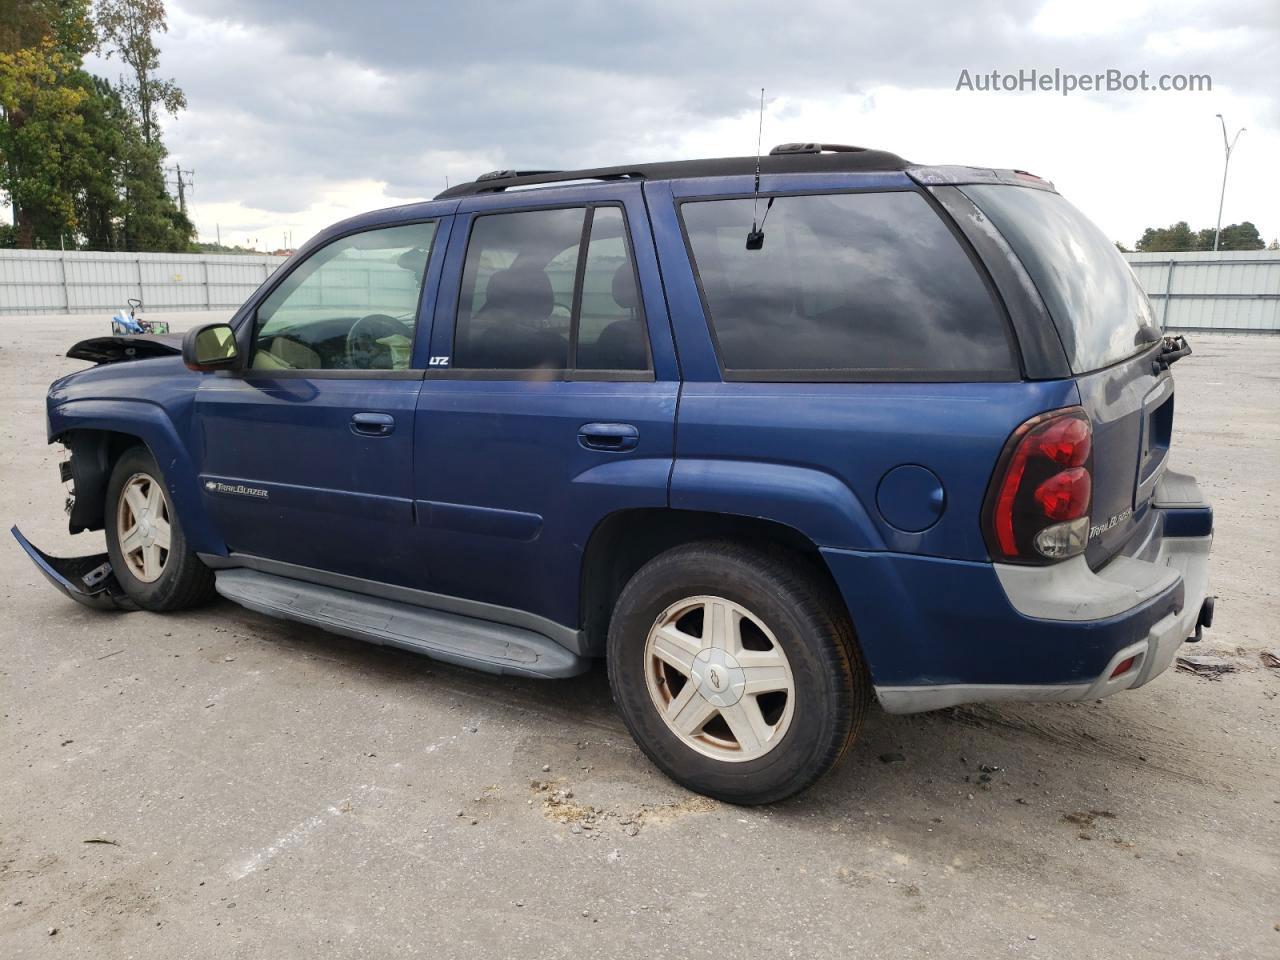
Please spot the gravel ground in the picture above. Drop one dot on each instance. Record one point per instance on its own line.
(219, 784)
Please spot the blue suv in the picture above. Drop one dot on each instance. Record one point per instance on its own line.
(772, 436)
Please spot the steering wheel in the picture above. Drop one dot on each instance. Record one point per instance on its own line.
(363, 350)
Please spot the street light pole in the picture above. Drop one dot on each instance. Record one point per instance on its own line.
(1227, 147)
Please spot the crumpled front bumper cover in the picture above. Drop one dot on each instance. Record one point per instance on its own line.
(87, 580)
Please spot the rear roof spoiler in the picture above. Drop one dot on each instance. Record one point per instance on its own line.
(953, 176)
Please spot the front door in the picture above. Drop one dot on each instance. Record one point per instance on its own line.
(557, 404)
(308, 451)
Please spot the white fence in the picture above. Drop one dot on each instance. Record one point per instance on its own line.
(1236, 290)
(51, 281)
(1229, 290)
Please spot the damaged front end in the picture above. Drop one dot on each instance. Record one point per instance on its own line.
(87, 580)
(90, 580)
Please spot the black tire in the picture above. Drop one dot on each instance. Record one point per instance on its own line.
(786, 592)
(184, 580)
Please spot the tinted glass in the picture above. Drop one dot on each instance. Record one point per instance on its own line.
(351, 305)
(611, 331)
(1101, 312)
(517, 291)
(846, 286)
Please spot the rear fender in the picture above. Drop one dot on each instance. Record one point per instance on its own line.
(815, 503)
(150, 424)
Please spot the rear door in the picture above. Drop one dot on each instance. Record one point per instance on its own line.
(551, 395)
(308, 452)
(1111, 339)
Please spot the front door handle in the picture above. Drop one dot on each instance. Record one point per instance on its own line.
(613, 437)
(373, 424)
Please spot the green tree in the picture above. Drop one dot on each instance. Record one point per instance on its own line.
(42, 43)
(128, 29)
(100, 201)
(1180, 237)
(150, 219)
(1235, 236)
(41, 127)
(1168, 239)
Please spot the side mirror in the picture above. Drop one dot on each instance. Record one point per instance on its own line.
(211, 347)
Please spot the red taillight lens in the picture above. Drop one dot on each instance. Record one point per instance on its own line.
(1038, 504)
(1065, 495)
(1067, 440)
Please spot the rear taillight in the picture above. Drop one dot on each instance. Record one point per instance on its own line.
(1037, 506)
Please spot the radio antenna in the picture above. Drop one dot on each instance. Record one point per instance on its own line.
(755, 238)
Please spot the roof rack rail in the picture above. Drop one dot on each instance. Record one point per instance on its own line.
(786, 158)
(498, 180)
(786, 149)
(509, 174)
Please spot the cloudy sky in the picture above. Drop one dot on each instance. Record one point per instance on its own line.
(305, 112)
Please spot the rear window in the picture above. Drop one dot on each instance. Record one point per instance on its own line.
(1101, 312)
(854, 286)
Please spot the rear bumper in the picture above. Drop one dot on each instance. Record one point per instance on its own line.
(937, 633)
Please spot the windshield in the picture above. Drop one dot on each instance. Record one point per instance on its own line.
(1102, 314)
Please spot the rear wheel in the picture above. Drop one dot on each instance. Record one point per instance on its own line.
(736, 671)
(145, 543)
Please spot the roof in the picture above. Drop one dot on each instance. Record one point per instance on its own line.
(788, 158)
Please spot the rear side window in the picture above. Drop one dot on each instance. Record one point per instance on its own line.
(534, 299)
(855, 286)
(1101, 312)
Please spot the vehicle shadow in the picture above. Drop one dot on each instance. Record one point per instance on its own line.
(942, 757)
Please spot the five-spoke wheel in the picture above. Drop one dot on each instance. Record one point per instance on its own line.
(719, 678)
(736, 669)
(143, 524)
(149, 553)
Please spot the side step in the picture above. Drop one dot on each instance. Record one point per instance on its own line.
(480, 644)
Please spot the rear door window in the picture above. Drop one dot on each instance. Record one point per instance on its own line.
(1102, 314)
(854, 286)
(533, 298)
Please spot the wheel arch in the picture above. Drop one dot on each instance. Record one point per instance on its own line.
(104, 429)
(624, 541)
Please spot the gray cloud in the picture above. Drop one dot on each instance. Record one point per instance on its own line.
(288, 97)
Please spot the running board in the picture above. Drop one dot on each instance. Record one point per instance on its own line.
(479, 644)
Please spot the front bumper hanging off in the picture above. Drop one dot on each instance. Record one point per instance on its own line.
(87, 580)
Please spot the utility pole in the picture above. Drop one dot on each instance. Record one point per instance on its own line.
(182, 180)
(1227, 148)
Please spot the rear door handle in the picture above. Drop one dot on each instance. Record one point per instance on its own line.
(614, 437)
(373, 424)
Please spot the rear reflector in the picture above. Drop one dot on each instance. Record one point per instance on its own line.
(1037, 506)
(1124, 666)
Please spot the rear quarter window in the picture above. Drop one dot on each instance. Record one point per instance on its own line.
(854, 286)
(1102, 313)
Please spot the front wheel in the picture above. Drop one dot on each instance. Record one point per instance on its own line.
(736, 671)
(148, 552)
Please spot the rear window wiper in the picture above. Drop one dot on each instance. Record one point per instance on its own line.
(1171, 351)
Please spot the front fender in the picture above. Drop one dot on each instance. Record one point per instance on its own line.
(815, 503)
(151, 424)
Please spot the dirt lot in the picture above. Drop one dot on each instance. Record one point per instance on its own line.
(268, 790)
